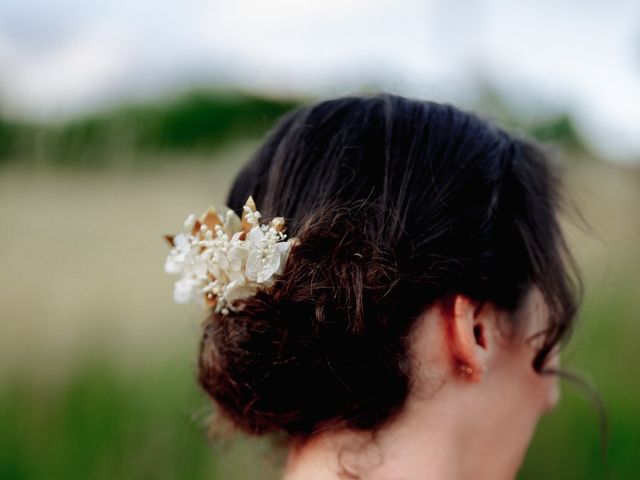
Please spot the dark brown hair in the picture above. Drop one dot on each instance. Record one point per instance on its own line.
(396, 203)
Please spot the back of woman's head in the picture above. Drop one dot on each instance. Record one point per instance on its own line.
(396, 203)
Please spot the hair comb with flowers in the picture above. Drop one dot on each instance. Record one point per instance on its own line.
(221, 258)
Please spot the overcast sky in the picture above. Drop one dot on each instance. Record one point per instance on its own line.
(582, 56)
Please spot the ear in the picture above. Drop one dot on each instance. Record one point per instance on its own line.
(467, 332)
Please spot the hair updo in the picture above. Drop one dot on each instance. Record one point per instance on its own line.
(396, 203)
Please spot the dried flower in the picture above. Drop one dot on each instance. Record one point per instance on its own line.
(222, 258)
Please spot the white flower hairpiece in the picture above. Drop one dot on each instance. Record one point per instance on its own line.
(222, 258)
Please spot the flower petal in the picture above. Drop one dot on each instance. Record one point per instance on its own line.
(283, 249)
(238, 252)
(236, 290)
(269, 268)
(236, 276)
(254, 264)
(210, 218)
(223, 261)
(232, 223)
(175, 261)
(181, 241)
(189, 222)
(254, 237)
(185, 290)
(199, 268)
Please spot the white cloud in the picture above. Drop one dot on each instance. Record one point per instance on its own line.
(582, 56)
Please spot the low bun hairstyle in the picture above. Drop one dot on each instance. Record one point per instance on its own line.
(396, 203)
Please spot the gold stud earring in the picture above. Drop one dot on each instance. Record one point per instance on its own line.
(466, 369)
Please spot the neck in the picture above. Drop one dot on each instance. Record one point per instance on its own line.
(427, 440)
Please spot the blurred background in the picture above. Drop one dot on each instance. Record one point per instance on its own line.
(118, 119)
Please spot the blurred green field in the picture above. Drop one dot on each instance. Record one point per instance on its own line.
(97, 364)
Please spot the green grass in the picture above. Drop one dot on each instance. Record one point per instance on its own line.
(103, 424)
(570, 442)
(100, 425)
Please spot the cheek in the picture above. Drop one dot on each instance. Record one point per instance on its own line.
(553, 395)
(543, 388)
(551, 385)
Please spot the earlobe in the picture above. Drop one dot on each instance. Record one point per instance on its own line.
(468, 371)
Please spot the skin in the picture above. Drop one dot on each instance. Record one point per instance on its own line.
(457, 423)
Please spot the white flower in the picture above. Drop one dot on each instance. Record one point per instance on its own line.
(187, 289)
(178, 255)
(183, 259)
(266, 254)
(222, 258)
(237, 289)
(237, 254)
(283, 249)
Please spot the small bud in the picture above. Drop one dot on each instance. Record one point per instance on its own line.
(278, 223)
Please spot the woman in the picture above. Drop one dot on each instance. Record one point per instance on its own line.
(413, 332)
